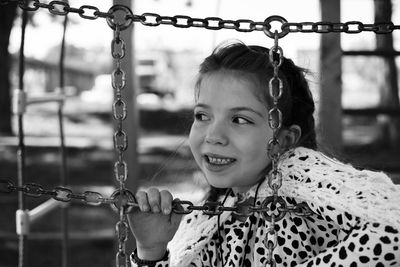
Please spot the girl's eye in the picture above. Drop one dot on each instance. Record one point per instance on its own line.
(200, 117)
(241, 120)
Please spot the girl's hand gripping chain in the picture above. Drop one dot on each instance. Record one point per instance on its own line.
(153, 224)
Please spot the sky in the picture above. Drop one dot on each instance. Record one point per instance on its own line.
(91, 33)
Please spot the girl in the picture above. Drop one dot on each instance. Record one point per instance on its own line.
(355, 215)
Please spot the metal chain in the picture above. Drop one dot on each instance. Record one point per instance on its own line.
(275, 201)
(123, 201)
(93, 198)
(118, 82)
(211, 23)
(59, 193)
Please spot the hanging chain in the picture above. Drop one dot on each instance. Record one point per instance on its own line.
(118, 81)
(275, 176)
(211, 23)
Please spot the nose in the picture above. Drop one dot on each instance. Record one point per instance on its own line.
(216, 134)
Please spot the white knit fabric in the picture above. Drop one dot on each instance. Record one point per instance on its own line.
(186, 244)
(308, 176)
(323, 181)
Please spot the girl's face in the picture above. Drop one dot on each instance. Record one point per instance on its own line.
(230, 132)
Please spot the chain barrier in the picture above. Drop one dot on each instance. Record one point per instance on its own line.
(211, 23)
(276, 202)
(119, 18)
(118, 82)
(93, 198)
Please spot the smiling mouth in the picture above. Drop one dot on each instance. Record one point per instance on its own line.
(218, 160)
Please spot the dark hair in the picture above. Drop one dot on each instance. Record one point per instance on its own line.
(296, 103)
(252, 62)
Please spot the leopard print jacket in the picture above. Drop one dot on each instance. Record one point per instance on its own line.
(355, 221)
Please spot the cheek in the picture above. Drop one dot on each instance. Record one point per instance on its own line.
(255, 150)
(194, 140)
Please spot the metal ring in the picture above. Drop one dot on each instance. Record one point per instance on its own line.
(267, 30)
(127, 21)
(130, 197)
(271, 200)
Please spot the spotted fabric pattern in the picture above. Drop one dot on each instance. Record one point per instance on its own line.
(355, 222)
(324, 239)
(317, 240)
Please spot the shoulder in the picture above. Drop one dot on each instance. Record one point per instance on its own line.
(321, 181)
(309, 165)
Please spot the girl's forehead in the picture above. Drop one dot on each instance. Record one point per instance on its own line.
(229, 85)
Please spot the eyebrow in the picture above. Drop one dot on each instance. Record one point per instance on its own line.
(235, 109)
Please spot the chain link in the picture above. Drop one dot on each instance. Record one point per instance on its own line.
(126, 198)
(211, 23)
(119, 21)
(58, 193)
(278, 206)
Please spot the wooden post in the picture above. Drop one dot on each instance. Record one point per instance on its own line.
(330, 110)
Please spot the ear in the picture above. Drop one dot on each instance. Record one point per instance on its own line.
(289, 137)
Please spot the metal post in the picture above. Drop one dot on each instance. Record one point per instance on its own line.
(330, 110)
(131, 124)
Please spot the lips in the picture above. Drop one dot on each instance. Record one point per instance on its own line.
(218, 162)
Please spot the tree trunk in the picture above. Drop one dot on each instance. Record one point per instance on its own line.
(7, 15)
(388, 87)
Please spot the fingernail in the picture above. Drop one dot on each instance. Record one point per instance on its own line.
(156, 209)
(145, 208)
(166, 211)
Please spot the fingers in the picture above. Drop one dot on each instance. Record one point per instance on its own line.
(155, 201)
(153, 195)
(141, 198)
(166, 202)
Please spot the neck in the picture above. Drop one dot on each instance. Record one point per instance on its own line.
(242, 190)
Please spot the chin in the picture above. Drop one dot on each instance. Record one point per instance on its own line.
(219, 184)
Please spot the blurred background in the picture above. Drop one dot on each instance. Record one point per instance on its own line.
(353, 77)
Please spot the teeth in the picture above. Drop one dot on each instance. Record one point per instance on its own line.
(219, 160)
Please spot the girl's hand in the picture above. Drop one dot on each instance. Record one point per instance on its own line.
(153, 224)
